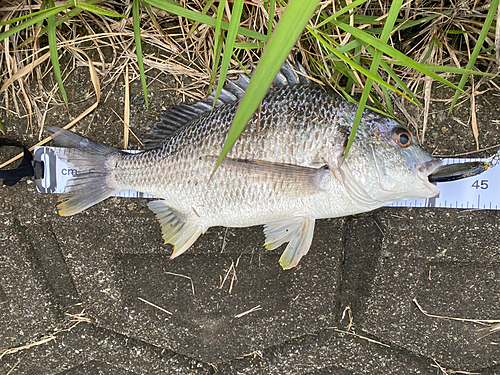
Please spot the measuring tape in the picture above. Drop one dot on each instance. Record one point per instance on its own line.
(57, 173)
(479, 192)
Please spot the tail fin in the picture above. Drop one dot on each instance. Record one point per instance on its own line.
(93, 182)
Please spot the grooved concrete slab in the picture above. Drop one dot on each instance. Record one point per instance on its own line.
(131, 280)
(448, 261)
(86, 349)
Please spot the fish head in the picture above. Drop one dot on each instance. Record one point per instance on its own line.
(386, 164)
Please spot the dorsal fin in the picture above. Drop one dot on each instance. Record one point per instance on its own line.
(288, 76)
(176, 117)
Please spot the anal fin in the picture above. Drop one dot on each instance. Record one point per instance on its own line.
(175, 230)
(297, 231)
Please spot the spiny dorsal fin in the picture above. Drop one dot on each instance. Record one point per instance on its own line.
(288, 76)
(170, 121)
(178, 116)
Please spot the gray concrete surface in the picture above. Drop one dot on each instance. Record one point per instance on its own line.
(96, 293)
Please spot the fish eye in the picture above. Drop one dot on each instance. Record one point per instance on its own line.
(402, 137)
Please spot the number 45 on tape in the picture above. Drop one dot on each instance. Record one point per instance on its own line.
(483, 184)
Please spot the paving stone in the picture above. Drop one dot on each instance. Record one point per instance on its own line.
(49, 260)
(448, 261)
(125, 278)
(26, 307)
(331, 352)
(109, 262)
(362, 251)
(89, 350)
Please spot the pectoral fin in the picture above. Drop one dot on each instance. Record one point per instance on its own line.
(294, 180)
(297, 231)
(175, 231)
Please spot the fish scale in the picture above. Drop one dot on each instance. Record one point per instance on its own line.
(286, 170)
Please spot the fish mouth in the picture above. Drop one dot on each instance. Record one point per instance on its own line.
(428, 168)
(424, 170)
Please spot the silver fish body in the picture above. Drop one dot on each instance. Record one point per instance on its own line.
(286, 170)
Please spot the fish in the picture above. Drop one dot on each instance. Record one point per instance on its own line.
(287, 169)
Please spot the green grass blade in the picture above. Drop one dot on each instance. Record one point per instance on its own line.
(217, 53)
(356, 56)
(42, 12)
(434, 68)
(218, 22)
(54, 55)
(230, 40)
(218, 39)
(398, 80)
(152, 17)
(475, 53)
(342, 11)
(239, 62)
(386, 33)
(272, 7)
(39, 25)
(40, 16)
(351, 45)
(256, 45)
(288, 30)
(136, 21)
(392, 52)
(388, 101)
(429, 50)
(449, 69)
(97, 10)
(355, 65)
(195, 16)
(68, 15)
(203, 11)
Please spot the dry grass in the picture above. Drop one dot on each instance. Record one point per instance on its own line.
(28, 346)
(184, 276)
(493, 325)
(477, 321)
(231, 271)
(184, 48)
(445, 371)
(253, 309)
(74, 320)
(155, 306)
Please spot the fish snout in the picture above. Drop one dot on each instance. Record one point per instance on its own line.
(429, 167)
(424, 170)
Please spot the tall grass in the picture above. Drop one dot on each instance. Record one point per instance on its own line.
(357, 47)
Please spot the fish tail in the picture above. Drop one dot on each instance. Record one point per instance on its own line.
(93, 181)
